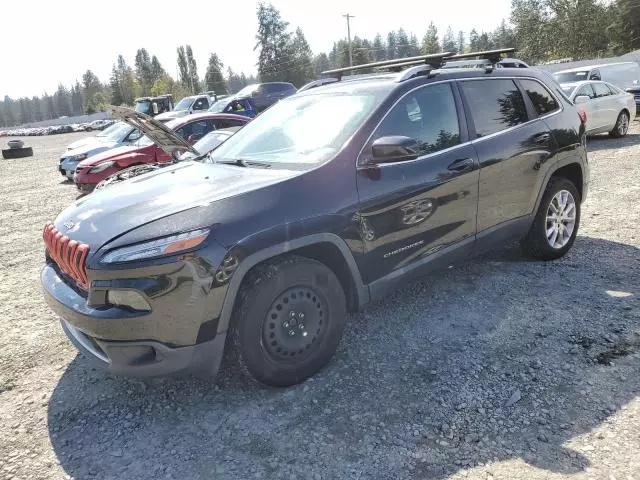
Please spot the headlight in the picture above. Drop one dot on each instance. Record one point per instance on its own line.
(101, 167)
(155, 248)
(79, 158)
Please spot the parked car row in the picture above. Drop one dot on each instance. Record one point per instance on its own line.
(91, 160)
(55, 129)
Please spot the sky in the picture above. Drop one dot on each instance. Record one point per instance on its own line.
(57, 41)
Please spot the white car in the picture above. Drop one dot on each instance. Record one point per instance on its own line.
(187, 106)
(608, 108)
(118, 134)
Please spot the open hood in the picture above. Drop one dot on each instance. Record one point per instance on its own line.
(162, 136)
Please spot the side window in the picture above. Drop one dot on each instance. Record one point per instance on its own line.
(495, 105)
(586, 90)
(134, 136)
(601, 90)
(201, 104)
(595, 75)
(613, 89)
(543, 101)
(428, 115)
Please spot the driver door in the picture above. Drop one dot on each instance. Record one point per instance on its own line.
(416, 211)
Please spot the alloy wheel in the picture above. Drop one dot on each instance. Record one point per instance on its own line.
(561, 219)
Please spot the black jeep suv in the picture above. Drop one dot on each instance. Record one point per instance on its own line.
(323, 203)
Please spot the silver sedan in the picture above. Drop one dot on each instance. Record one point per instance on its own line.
(608, 108)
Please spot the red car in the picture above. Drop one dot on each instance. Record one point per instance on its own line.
(91, 171)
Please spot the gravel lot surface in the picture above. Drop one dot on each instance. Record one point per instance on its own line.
(501, 368)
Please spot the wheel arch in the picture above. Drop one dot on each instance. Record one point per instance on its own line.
(326, 248)
(573, 170)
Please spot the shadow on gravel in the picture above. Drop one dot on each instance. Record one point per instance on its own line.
(493, 360)
(604, 142)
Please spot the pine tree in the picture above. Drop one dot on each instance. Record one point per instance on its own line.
(144, 73)
(301, 71)
(183, 68)
(90, 86)
(49, 107)
(379, 49)
(430, 43)
(213, 79)
(76, 99)
(157, 71)
(473, 40)
(274, 44)
(392, 45)
(36, 109)
(193, 70)
(414, 48)
(449, 42)
(402, 44)
(461, 42)
(24, 111)
(321, 63)
(8, 111)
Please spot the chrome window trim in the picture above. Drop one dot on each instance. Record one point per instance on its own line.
(559, 110)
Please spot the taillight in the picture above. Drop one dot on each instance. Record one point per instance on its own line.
(583, 116)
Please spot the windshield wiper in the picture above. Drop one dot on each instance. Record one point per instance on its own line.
(244, 163)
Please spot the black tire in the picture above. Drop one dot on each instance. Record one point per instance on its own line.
(269, 308)
(88, 129)
(535, 243)
(17, 152)
(622, 126)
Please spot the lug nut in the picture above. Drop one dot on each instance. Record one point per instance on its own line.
(301, 326)
(292, 314)
(285, 324)
(292, 333)
(301, 316)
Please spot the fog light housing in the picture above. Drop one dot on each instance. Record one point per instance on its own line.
(128, 299)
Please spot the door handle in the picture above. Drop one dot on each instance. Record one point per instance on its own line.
(461, 165)
(542, 138)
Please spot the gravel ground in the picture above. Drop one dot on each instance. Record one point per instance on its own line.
(499, 368)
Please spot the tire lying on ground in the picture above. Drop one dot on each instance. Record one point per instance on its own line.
(17, 152)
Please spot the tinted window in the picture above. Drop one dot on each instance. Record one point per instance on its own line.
(601, 90)
(228, 123)
(428, 115)
(542, 100)
(495, 105)
(568, 77)
(586, 90)
(201, 104)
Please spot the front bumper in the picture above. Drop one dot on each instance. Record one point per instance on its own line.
(128, 343)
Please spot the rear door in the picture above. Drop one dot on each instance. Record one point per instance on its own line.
(411, 210)
(512, 142)
(593, 122)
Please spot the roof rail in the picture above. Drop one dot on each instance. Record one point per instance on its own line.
(434, 60)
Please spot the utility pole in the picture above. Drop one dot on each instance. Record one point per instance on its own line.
(347, 16)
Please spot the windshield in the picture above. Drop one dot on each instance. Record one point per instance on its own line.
(568, 89)
(308, 129)
(143, 106)
(246, 91)
(206, 144)
(183, 104)
(218, 106)
(116, 131)
(568, 77)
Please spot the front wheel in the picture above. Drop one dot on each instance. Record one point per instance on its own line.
(621, 127)
(287, 324)
(555, 226)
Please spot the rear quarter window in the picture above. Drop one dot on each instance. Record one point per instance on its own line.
(542, 100)
(495, 105)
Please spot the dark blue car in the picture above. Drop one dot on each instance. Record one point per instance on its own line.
(238, 106)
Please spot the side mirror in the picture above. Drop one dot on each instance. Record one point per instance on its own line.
(581, 99)
(395, 148)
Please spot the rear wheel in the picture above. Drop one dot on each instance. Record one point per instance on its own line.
(288, 321)
(555, 226)
(622, 126)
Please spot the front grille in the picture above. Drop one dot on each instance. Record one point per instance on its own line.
(69, 255)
